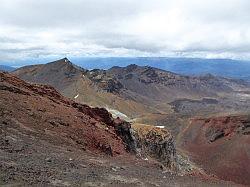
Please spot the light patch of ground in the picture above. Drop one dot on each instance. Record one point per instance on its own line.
(143, 130)
(243, 96)
(161, 127)
(116, 113)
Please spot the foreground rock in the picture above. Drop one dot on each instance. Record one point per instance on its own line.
(156, 143)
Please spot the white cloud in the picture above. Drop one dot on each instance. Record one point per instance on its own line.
(194, 28)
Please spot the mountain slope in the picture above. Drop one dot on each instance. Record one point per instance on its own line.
(176, 86)
(182, 94)
(44, 110)
(74, 82)
(220, 145)
(137, 90)
(151, 96)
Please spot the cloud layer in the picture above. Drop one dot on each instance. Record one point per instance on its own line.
(194, 28)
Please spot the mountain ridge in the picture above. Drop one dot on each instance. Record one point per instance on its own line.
(138, 86)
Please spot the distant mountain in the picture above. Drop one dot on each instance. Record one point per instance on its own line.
(172, 84)
(138, 90)
(79, 84)
(238, 69)
(6, 68)
(188, 66)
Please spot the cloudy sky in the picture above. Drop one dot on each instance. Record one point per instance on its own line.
(190, 28)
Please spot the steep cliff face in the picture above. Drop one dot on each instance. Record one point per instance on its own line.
(156, 143)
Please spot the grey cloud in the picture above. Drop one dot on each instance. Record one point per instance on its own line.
(8, 40)
(47, 13)
(30, 49)
(31, 28)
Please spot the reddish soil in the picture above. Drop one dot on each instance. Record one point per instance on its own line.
(49, 140)
(42, 111)
(220, 145)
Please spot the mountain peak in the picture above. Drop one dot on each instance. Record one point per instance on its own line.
(61, 61)
(64, 63)
(65, 58)
(132, 66)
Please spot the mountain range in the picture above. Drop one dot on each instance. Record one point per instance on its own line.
(238, 69)
(6, 68)
(136, 91)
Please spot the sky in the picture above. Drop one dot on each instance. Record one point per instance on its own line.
(31, 29)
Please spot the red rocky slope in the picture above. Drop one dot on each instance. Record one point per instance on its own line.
(49, 140)
(39, 110)
(221, 146)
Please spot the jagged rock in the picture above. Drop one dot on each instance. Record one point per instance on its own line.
(58, 122)
(124, 130)
(156, 143)
(220, 127)
(214, 134)
(105, 82)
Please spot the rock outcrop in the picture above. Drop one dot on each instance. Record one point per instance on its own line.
(104, 82)
(224, 126)
(156, 143)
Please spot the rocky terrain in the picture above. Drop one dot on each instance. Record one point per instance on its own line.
(42, 108)
(89, 87)
(47, 139)
(220, 145)
(148, 96)
(181, 94)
